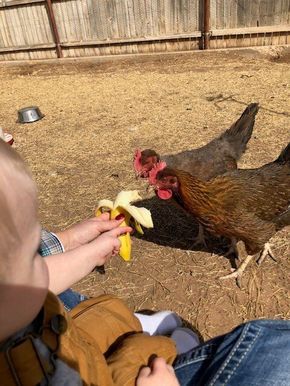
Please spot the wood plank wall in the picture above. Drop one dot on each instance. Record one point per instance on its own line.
(245, 23)
(127, 26)
(111, 27)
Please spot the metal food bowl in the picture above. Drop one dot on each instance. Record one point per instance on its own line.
(29, 114)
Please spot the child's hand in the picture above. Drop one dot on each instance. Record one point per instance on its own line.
(159, 373)
(108, 244)
(86, 231)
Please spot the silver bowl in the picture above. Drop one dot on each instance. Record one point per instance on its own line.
(29, 114)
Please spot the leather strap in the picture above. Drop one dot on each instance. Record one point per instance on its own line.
(21, 363)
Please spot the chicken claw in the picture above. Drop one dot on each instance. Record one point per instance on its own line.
(266, 251)
(237, 274)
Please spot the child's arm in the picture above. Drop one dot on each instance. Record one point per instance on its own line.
(66, 269)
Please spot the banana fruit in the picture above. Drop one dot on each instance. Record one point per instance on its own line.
(122, 205)
(125, 239)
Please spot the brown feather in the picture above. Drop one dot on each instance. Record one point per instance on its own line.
(244, 204)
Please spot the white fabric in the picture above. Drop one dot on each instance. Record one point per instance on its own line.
(160, 323)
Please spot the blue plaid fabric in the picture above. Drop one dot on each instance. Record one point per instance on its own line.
(51, 245)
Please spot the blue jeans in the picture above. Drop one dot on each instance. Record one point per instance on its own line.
(256, 353)
(70, 299)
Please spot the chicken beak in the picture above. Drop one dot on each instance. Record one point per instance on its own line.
(140, 174)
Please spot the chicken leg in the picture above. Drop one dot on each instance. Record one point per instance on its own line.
(200, 238)
(233, 249)
(237, 274)
(239, 247)
(266, 251)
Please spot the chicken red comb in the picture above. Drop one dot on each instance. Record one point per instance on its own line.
(153, 173)
(137, 160)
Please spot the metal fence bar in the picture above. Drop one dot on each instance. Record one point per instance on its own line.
(54, 29)
(206, 25)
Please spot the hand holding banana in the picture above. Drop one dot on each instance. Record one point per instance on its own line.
(122, 205)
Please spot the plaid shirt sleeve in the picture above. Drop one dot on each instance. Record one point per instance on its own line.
(49, 244)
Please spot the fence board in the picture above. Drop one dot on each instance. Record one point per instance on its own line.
(247, 13)
(116, 19)
(112, 27)
(13, 3)
(26, 25)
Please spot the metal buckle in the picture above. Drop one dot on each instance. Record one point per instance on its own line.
(11, 364)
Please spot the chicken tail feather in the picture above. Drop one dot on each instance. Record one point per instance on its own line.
(239, 134)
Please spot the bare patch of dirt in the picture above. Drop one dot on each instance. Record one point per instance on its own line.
(97, 113)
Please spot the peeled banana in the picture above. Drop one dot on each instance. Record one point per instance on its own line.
(122, 205)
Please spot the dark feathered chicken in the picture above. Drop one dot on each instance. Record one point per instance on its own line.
(217, 157)
(250, 205)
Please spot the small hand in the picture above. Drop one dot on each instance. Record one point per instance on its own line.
(86, 231)
(108, 244)
(159, 373)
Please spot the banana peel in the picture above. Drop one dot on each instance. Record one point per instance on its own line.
(139, 216)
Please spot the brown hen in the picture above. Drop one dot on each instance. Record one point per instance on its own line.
(248, 205)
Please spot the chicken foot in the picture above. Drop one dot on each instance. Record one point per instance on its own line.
(266, 251)
(237, 274)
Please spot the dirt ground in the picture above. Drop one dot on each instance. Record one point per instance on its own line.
(98, 112)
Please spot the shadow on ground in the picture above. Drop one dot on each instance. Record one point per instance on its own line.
(175, 228)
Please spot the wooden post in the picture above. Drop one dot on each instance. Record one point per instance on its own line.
(206, 25)
(54, 30)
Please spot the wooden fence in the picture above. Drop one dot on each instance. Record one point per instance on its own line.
(43, 29)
